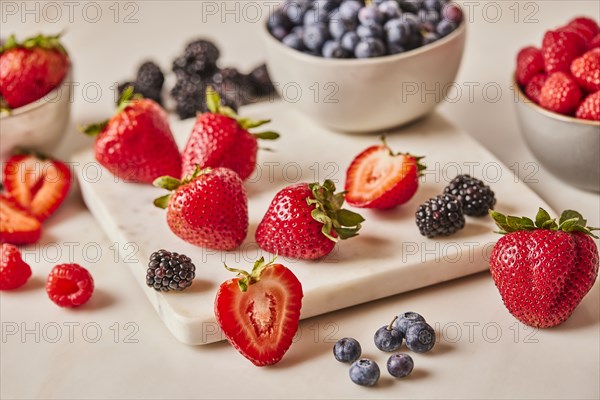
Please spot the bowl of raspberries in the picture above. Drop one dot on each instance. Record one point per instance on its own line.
(364, 65)
(557, 90)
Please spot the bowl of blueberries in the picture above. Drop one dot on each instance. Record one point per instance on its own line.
(364, 65)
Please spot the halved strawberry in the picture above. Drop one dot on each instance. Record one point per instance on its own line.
(16, 225)
(259, 311)
(37, 184)
(380, 178)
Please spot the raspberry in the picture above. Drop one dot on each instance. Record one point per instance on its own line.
(585, 23)
(595, 42)
(475, 196)
(529, 63)
(586, 70)
(560, 48)
(590, 108)
(560, 94)
(440, 216)
(534, 87)
(13, 270)
(69, 285)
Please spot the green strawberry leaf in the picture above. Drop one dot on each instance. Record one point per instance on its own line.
(246, 279)
(541, 217)
(348, 218)
(94, 129)
(167, 182)
(267, 135)
(247, 123)
(163, 201)
(571, 214)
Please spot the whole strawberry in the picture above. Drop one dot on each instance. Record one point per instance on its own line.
(589, 108)
(136, 144)
(543, 269)
(560, 94)
(305, 221)
(586, 70)
(208, 208)
(221, 139)
(31, 69)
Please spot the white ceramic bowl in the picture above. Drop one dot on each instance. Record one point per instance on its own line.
(364, 95)
(567, 147)
(38, 125)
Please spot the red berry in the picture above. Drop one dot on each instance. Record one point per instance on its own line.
(595, 42)
(534, 87)
(529, 63)
(590, 108)
(560, 94)
(69, 285)
(585, 23)
(586, 70)
(560, 48)
(14, 272)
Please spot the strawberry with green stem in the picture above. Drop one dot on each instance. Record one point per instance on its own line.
(306, 221)
(31, 69)
(259, 311)
(221, 138)
(543, 268)
(208, 208)
(136, 144)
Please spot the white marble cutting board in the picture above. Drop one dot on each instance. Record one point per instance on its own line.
(389, 256)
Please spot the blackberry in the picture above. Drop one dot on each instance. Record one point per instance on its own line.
(261, 82)
(190, 97)
(203, 50)
(235, 86)
(170, 271)
(200, 58)
(440, 216)
(150, 76)
(475, 196)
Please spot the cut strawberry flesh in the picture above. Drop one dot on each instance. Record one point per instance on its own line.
(373, 173)
(262, 321)
(37, 185)
(16, 226)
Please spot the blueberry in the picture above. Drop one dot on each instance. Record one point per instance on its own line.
(370, 31)
(347, 350)
(445, 27)
(406, 319)
(420, 337)
(398, 31)
(414, 40)
(370, 15)
(349, 10)
(279, 32)
(433, 5)
(349, 41)
(430, 37)
(413, 21)
(315, 36)
(390, 9)
(400, 365)
(326, 5)
(279, 19)
(369, 47)
(315, 17)
(296, 9)
(429, 17)
(294, 41)
(412, 6)
(388, 339)
(364, 372)
(339, 26)
(334, 49)
(395, 48)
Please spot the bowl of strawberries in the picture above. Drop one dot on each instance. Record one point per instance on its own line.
(558, 102)
(35, 94)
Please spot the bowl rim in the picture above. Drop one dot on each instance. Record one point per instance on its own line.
(458, 32)
(39, 102)
(560, 117)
